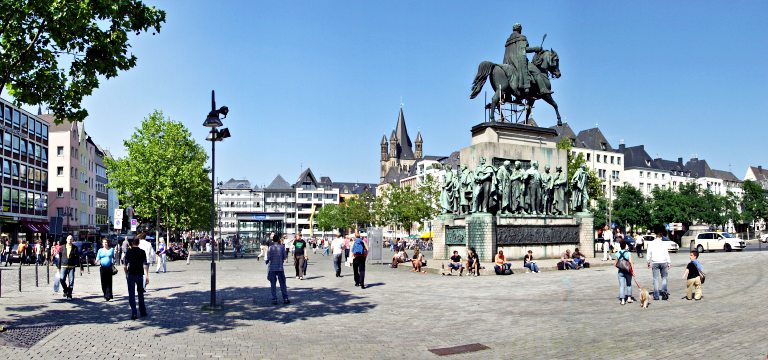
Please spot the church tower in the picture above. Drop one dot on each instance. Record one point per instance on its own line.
(384, 150)
(393, 145)
(419, 143)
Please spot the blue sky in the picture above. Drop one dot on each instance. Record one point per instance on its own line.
(317, 83)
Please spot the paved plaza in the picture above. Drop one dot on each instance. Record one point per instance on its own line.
(553, 314)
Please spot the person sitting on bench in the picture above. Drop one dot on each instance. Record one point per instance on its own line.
(400, 257)
(455, 264)
(502, 267)
(529, 263)
(567, 260)
(473, 262)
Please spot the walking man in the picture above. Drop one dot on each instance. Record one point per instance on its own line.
(264, 245)
(337, 245)
(68, 260)
(275, 258)
(607, 243)
(149, 251)
(659, 262)
(359, 253)
(136, 270)
(161, 253)
(299, 256)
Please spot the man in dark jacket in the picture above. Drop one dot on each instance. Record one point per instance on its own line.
(68, 260)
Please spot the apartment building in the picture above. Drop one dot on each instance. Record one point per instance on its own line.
(25, 139)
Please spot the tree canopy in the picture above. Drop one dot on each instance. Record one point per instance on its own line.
(402, 206)
(755, 203)
(630, 208)
(164, 175)
(54, 51)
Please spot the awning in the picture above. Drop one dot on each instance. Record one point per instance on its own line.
(45, 228)
(31, 227)
(428, 235)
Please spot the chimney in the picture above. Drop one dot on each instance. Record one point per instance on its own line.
(680, 161)
(760, 168)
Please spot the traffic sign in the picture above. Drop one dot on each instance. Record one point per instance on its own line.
(118, 222)
(134, 224)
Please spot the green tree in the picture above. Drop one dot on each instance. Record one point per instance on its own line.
(665, 207)
(754, 202)
(630, 207)
(600, 211)
(594, 183)
(402, 206)
(359, 209)
(331, 217)
(55, 52)
(164, 175)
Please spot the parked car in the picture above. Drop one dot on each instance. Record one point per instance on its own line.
(711, 241)
(671, 245)
(764, 238)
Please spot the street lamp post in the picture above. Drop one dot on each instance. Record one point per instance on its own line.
(213, 121)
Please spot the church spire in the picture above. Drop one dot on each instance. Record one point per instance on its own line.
(419, 147)
(403, 140)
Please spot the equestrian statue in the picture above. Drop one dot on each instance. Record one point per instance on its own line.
(516, 80)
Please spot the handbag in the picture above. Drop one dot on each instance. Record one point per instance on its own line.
(56, 282)
(702, 276)
(114, 270)
(623, 264)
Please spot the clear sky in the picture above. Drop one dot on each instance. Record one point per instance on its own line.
(317, 83)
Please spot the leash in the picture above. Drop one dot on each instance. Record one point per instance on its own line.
(632, 271)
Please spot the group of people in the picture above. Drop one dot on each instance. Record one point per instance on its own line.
(277, 254)
(28, 254)
(611, 238)
(658, 260)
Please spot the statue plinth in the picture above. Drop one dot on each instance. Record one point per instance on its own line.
(509, 133)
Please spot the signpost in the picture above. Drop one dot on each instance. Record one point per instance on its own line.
(134, 224)
(117, 223)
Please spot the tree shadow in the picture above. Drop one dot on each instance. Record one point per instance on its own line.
(184, 311)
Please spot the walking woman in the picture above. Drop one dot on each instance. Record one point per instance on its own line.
(106, 257)
(276, 273)
(625, 276)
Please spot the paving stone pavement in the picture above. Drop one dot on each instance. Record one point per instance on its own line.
(554, 314)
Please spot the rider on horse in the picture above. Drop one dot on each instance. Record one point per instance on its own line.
(515, 52)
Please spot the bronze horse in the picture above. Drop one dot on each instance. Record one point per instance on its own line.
(546, 63)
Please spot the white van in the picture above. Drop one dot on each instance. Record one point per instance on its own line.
(711, 241)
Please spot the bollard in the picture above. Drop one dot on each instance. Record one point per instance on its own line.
(48, 273)
(19, 274)
(1, 284)
(36, 281)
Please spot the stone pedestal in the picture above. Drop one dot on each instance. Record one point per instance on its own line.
(481, 234)
(439, 248)
(504, 141)
(587, 232)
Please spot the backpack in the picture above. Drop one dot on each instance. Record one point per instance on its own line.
(622, 263)
(359, 247)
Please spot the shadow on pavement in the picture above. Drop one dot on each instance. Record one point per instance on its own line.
(183, 311)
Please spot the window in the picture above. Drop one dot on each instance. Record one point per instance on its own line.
(23, 147)
(31, 128)
(59, 171)
(6, 199)
(38, 177)
(14, 200)
(45, 132)
(15, 144)
(8, 112)
(603, 146)
(641, 174)
(662, 176)
(60, 192)
(59, 151)
(655, 175)
(7, 141)
(23, 173)
(42, 153)
(588, 156)
(611, 159)
(6, 168)
(15, 171)
(16, 119)
(597, 157)
(31, 175)
(38, 128)
(618, 160)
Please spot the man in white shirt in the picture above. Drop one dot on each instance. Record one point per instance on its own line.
(337, 246)
(607, 242)
(146, 246)
(659, 262)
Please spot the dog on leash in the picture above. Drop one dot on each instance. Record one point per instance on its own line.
(644, 298)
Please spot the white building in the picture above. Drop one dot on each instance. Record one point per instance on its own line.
(236, 196)
(641, 171)
(598, 153)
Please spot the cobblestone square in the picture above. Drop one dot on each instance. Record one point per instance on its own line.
(553, 314)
